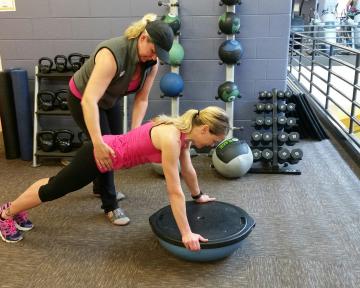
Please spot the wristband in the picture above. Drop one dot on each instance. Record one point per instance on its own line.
(197, 196)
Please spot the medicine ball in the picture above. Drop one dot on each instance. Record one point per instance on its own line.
(176, 54)
(230, 51)
(232, 158)
(173, 21)
(229, 23)
(231, 2)
(171, 84)
(228, 91)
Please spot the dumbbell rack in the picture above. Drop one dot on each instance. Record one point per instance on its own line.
(273, 166)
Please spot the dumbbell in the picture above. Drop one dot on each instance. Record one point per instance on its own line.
(282, 137)
(293, 138)
(281, 121)
(268, 107)
(290, 107)
(259, 122)
(290, 122)
(287, 94)
(283, 155)
(256, 154)
(46, 140)
(268, 122)
(46, 100)
(267, 155)
(280, 94)
(262, 95)
(259, 107)
(64, 140)
(266, 138)
(281, 107)
(256, 138)
(295, 156)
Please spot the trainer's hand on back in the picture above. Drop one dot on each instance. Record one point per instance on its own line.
(103, 156)
(192, 241)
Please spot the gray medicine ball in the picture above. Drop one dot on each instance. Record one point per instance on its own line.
(232, 158)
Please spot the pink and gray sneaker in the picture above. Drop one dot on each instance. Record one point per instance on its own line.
(8, 231)
(21, 219)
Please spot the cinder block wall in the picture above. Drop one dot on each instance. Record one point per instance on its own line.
(49, 27)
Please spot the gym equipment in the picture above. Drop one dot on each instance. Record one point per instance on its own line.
(256, 138)
(262, 95)
(22, 100)
(64, 139)
(268, 122)
(224, 224)
(282, 137)
(268, 107)
(46, 140)
(173, 21)
(259, 122)
(293, 138)
(267, 154)
(232, 158)
(75, 61)
(256, 154)
(83, 58)
(60, 63)
(259, 107)
(266, 138)
(45, 65)
(290, 107)
(295, 156)
(281, 107)
(230, 2)
(290, 122)
(229, 23)
(176, 54)
(228, 92)
(281, 121)
(8, 117)
(46, 100)
(61, 96)
(171, 84)
(230, 52)
(283, 155)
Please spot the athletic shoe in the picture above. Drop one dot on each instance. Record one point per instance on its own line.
(8, 231)
(22, 221)
(118, 217)
(119, 196)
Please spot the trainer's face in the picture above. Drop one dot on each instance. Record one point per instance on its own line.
(202, 137)
(146, 49)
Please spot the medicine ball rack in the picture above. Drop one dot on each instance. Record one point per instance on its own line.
(273, 166)
(51, 76)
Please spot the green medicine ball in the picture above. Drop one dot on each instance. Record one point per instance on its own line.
(173, 21)
(229, 23)
(176, 54)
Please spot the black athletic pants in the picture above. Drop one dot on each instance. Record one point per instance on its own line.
(80, 172)
(110, 123)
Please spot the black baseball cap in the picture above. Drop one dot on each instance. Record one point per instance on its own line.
(162, 36)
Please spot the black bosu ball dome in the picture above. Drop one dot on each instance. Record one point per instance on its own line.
(223, 224)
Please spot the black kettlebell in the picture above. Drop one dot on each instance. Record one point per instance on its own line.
(45, 65)
(75, 61)
(46, 100)
(61, 97)
(64, 140)
(46, 140)
(60, 63)
(84, 58)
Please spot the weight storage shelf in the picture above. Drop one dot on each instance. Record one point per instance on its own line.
(51, 77)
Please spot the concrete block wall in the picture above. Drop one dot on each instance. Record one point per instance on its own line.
(49, 27)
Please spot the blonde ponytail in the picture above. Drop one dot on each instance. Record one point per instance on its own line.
(215, 117)
(136, 28)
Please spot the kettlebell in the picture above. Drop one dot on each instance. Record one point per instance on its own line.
(46, 140)
(60, 63)
(46, 100)
(84, 58)
(61, 97)
(45, 65)
(75, 61)
(64, 140)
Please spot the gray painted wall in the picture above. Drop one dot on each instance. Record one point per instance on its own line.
(49, 27)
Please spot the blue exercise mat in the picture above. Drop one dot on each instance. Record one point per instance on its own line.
(23, 110)
(8, 117)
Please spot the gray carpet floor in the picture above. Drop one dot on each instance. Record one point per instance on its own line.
(307, 232)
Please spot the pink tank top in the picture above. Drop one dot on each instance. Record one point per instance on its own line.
(135, 147)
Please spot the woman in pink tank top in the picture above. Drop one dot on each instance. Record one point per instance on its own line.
(164, 140)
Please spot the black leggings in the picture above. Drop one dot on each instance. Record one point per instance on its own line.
(81, 171)
(110, 123)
